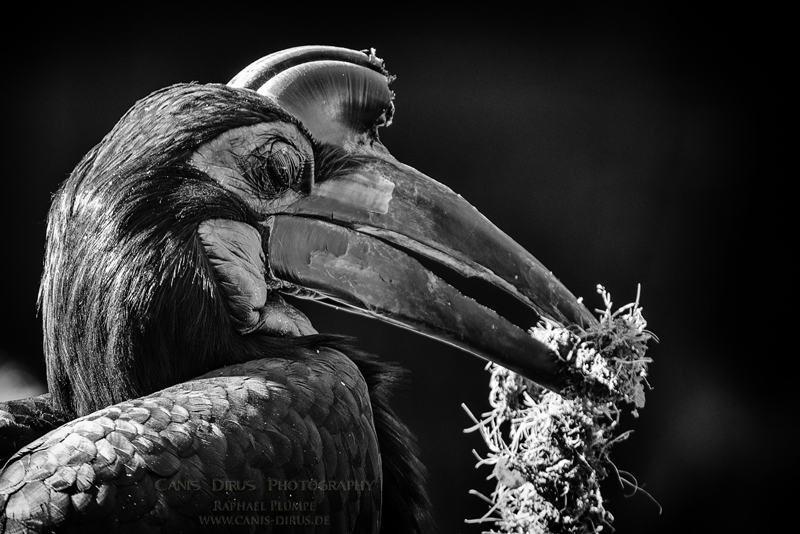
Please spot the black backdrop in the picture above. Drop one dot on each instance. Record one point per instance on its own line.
(618, 147)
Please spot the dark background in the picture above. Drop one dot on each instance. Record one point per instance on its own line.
(618, 147)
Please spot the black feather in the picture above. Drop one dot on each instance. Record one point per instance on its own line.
(24, 420)
(406, 506)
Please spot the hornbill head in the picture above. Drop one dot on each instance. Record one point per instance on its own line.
(171, 244)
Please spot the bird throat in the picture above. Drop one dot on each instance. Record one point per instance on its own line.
(235, 252)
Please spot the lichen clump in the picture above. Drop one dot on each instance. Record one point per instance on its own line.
(549, 451)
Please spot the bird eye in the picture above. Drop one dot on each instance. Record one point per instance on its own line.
(275, 167)
(283, 163)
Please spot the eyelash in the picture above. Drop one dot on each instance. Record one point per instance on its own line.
(273, 168)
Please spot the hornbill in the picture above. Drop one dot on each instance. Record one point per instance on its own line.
(194, 397)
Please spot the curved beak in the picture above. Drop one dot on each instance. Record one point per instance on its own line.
(352, 240)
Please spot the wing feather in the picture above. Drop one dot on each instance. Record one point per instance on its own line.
(281, 433)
